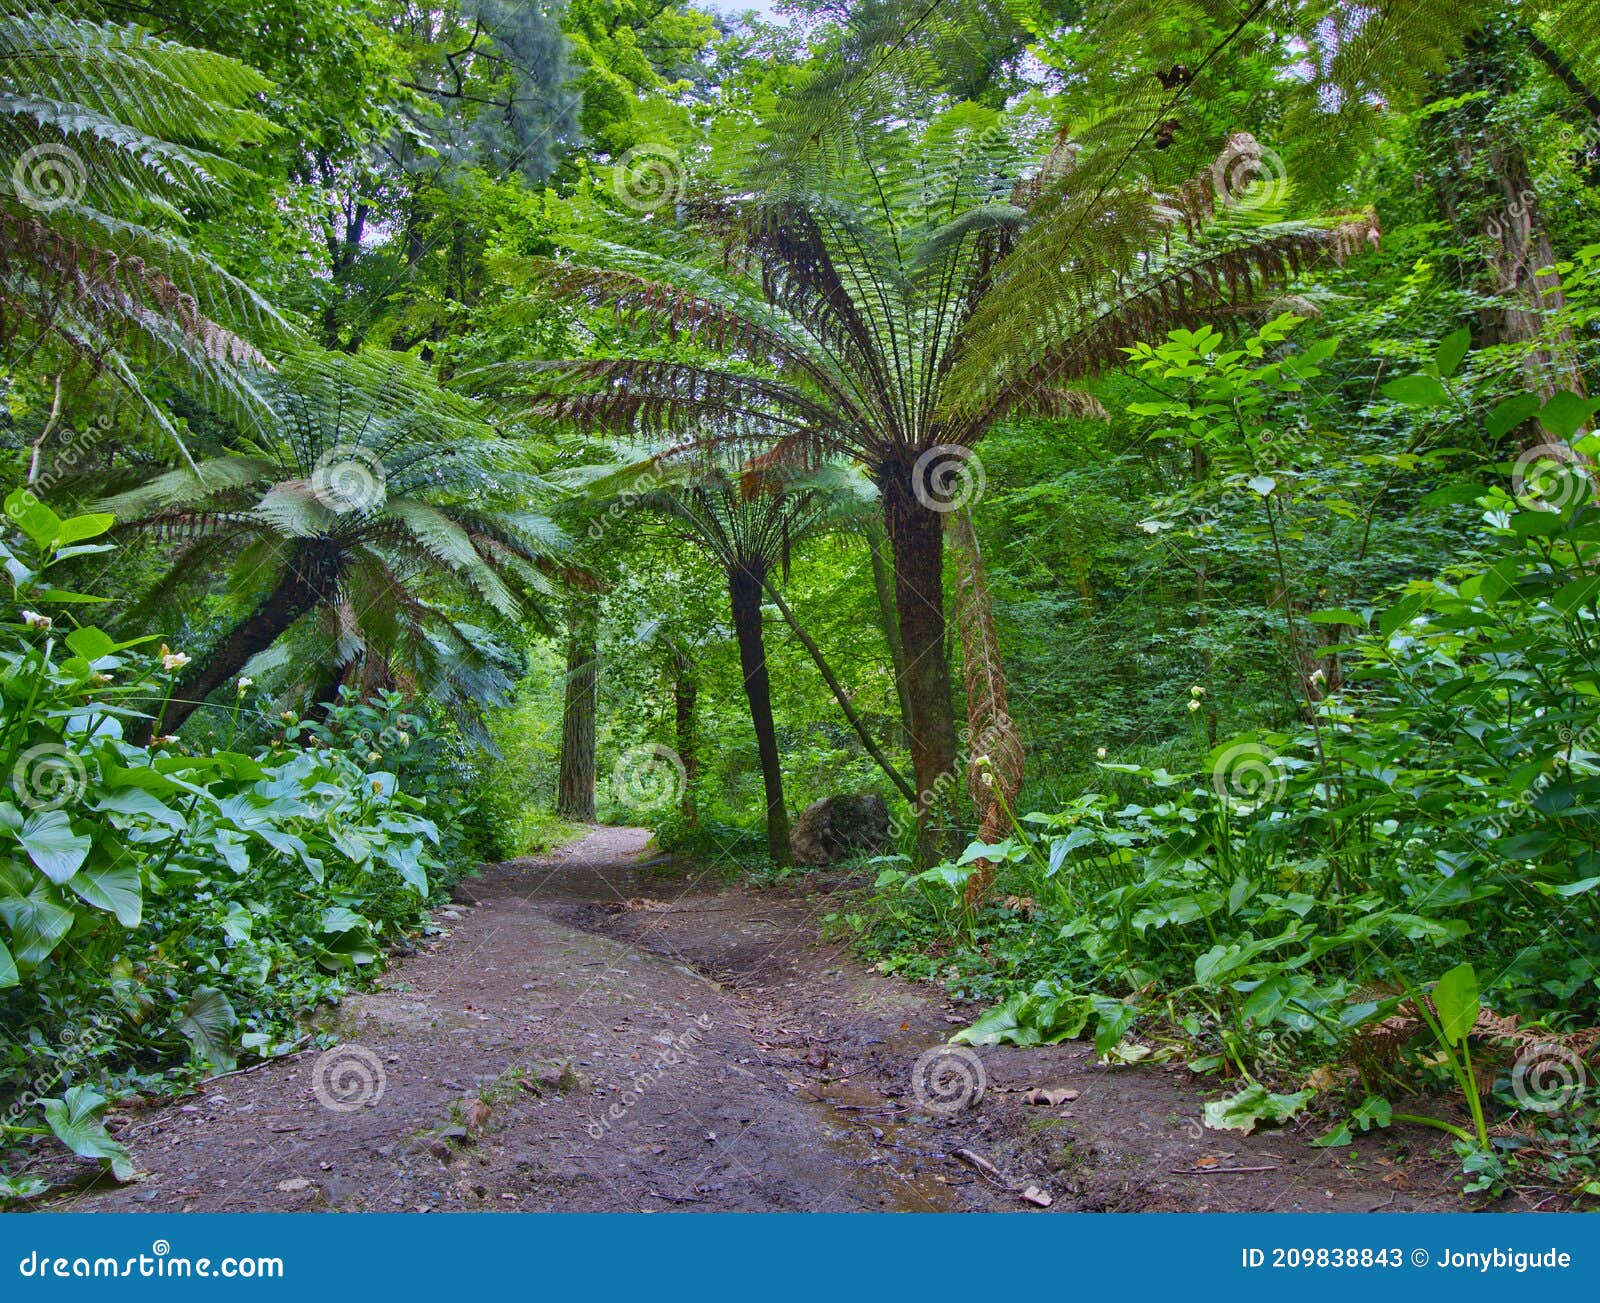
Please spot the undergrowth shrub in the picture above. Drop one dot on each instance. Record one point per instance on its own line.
(165, 912)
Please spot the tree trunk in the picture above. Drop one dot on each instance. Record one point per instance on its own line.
(1486, 191)
(744, 596)
(685, 700)
(994, 770)
(293, 597)
(575, 780)
(916, 535)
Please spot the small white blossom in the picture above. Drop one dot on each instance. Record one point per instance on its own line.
(171, 660)
(1100, 752)
(245, 684)
(36, 621)
(1197, 691)
(1194, 705)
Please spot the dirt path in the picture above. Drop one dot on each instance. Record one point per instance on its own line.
(592, 1034)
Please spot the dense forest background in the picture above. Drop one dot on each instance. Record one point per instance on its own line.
(1146, 445)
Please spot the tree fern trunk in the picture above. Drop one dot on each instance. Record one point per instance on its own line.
(575, 779)
(916, 534)
(292, 598)
(744, 596)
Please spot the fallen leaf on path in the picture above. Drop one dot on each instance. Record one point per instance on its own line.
(293, 1185)
(1051, 1096)
(477, 1113)
(1037, 1197)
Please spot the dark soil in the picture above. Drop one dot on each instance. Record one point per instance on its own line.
(597, 1034)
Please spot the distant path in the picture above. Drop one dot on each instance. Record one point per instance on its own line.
(721, 1058)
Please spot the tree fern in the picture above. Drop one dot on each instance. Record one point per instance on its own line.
(371, 504)
(957, 275)
(107, 135)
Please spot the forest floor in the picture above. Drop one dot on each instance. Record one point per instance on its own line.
(598, 1032)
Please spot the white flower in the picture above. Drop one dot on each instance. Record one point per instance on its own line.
(373, 757)
(1197, 691)
(171, 660)
(1100, 752)
(1318, 677)
(986, 778)
(36, 621)
(1195, 704)
(244, 684)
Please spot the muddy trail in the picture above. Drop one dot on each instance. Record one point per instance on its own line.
(591, 1031)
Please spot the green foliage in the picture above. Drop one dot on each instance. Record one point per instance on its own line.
(165, 912)
(108, 136)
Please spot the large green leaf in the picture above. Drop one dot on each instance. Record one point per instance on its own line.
(52, 845)
(1455, 999)
(207, 1024)
(38, 921)
(1252, 1105)
(77, 1119)
(8, 968)
(114, 888)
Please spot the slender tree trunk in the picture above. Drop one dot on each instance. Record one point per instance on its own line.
(839, 694)
(916, 535)
(744, 596)
(883, 584)
(575, 779)
(292, 598)
(994, 772)
(685, 701)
